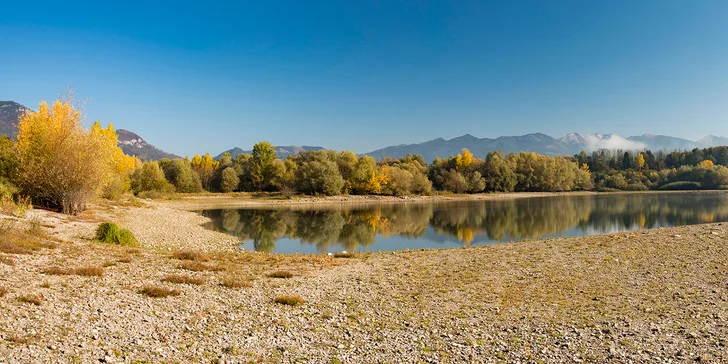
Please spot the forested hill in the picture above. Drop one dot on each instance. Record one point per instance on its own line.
(281, 151)
(543, 144)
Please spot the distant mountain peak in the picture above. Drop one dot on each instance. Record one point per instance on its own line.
(133, 144)
(10, 114)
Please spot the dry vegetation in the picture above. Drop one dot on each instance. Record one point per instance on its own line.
(85, 271)
(281, 274)
(196, 266)
(182, 279)
(290, 300)
(191, 255)
(3, 291)
(159, 291)
(236, 282)
(35, 299)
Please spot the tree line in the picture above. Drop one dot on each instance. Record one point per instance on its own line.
(60, 164)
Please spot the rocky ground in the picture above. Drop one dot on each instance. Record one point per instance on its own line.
(649, 296)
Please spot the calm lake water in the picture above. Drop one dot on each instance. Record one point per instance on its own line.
(374, 227)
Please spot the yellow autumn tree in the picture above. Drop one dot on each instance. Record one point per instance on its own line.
(463, 160)
(640, 161)
(62, 164)
(377, 181)
(205, 166)
(706, 163)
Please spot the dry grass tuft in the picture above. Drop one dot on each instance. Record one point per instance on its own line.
(191, 255)
(88, 271)
(7, 260)
(181, 279)
(3, 291)
(36, 299)
(45, 284)
(196, 266)
(281, 274)
(159, 291)
(235, 282)
(125, 260)
(344, 255)
(290, 300)
(20, 340)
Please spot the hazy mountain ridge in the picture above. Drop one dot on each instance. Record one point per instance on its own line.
(281, 151)
(543, 144)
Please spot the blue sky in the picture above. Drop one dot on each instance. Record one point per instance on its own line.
(360, 75)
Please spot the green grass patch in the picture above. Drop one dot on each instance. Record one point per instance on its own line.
(111, 233)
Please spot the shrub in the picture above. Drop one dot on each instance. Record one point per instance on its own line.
(111, 233)
(636, 187)
(290, 300)
(150, 178)
(344, 255)
(180, 279)
(61, 164)
(3, 291)
(319, 177)
(159, 291)
(281, 274)
(181, 175)
(230, 180)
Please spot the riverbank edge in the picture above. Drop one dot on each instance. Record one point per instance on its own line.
(195, 202)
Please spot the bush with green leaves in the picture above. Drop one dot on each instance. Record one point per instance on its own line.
(149, 177)
(111, 233)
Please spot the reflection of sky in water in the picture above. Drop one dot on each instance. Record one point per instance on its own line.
(455, 224)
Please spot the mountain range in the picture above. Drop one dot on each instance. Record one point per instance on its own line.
(133, 144)
(543, 144)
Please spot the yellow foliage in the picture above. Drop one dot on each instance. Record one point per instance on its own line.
(62, 164)
(205, 166)
(464, 160)
(377, 181)
(706, 163)
(640, 160)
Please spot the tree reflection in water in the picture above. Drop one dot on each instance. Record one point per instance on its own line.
(357, 227)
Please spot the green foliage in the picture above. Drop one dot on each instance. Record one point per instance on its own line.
(8, 158)
(262, 171)
(111, 233)
(681, 185)
(230, 180)
(149, 178)
(319, 178)
(181, 175)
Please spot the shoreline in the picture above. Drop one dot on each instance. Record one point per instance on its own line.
(194, 202)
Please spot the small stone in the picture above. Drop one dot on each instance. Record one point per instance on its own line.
(341, 346)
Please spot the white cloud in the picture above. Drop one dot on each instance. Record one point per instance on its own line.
(611, 142)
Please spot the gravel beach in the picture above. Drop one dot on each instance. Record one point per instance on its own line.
(647, 296)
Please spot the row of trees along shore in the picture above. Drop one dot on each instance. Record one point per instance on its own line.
(58, 163)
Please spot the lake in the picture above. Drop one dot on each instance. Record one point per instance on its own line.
(418, 225)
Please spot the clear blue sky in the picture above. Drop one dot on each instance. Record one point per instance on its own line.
(360, 75)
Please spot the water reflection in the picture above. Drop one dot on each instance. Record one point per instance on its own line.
(424, 225)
